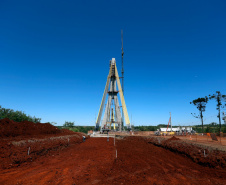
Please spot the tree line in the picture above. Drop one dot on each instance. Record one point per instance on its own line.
(201, 103)
(17, 116)
(71, 126)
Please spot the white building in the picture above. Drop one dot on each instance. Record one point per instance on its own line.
(187, 129)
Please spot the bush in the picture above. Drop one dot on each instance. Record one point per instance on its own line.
(68, 124)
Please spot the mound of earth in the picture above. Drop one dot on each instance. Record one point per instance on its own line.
(26, 141)
(173, 138)
(9, 129)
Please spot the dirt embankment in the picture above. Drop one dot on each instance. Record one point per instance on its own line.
(200, 154)
(21, 130)
(22, 142)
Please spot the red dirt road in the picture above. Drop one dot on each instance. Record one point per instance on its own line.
(94, 162)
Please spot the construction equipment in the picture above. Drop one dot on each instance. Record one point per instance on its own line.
(122, 77)
(169, 123)
(157, 133)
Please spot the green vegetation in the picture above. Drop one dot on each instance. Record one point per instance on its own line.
(219, 98)
(83, 129)
(148, 128)
(17, 116)
(71, 126)
(200, 103)
(68, 124)
(210, 128)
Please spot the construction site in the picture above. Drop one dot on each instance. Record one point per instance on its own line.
(37, 153)
(75, 110)
(41, 154)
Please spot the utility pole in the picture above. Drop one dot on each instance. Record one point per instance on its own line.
(122, 78)
(170, 122)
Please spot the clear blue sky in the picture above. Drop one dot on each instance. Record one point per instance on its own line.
(54, 57)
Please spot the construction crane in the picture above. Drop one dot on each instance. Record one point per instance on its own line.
(122, 76)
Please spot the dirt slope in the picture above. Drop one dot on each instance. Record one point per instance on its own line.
(26, 141)
(94, 162)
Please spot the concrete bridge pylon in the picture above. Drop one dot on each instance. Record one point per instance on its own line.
(112, 113)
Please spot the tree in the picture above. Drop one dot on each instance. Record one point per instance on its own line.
(213, 124)
(17, 116)
(208, 129)
(219, 98)
(200, 104)
(68, 124)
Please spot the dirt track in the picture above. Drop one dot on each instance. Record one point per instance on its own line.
(93, 162)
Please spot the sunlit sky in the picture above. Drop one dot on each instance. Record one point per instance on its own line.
(54, 58)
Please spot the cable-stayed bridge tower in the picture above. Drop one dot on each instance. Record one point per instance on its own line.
(112, 113)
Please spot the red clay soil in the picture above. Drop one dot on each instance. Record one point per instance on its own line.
(200, 154)
(18, 130)
(26, 141)
(173, 138)
(94, 162)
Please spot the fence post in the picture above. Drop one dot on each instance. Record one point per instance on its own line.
(28, 152)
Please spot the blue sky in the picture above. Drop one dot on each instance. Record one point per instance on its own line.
(54, 57)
